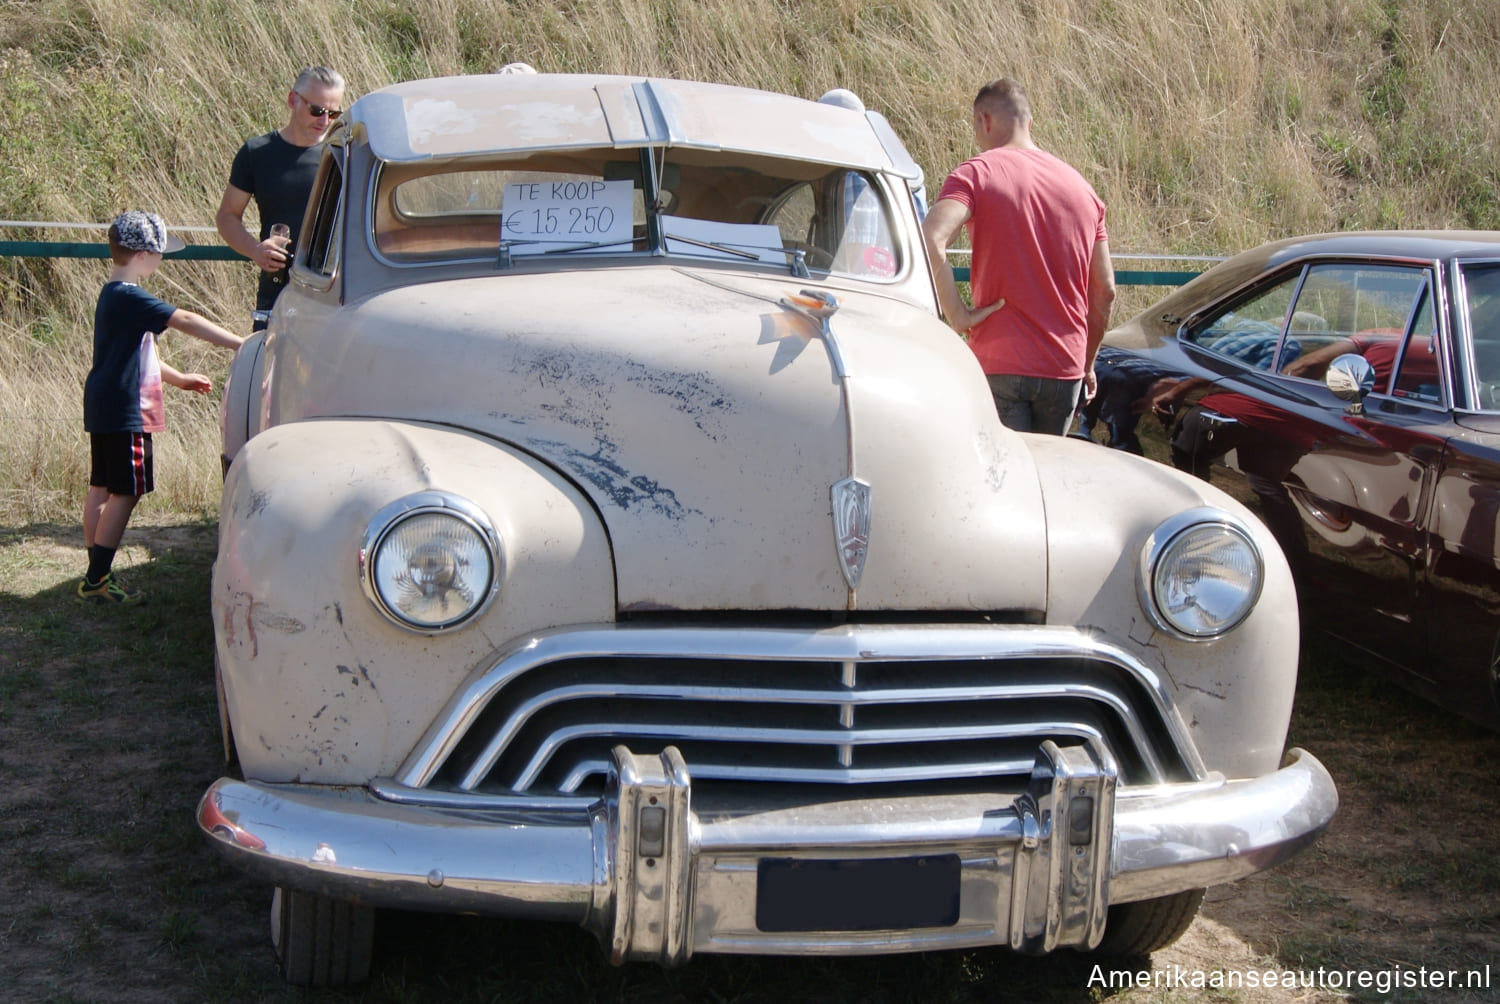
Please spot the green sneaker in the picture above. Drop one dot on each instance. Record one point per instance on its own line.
(109, 591)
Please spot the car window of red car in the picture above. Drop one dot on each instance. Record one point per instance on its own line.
(1250, 330)
(1356, 307)
(1481, 285)
(1419, 377)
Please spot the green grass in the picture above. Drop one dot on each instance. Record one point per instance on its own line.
(1205, 130)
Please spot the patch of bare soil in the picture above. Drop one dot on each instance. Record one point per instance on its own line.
(1401, 890)
(109, 732)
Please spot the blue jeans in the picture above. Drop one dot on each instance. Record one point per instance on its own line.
(1034, 404)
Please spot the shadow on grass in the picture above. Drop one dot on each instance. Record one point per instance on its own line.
(41, 562)
(481, 959)
(153, 532)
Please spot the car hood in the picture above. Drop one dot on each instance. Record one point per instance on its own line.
(708, 423)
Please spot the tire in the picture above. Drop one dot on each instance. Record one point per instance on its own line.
(1143, 927)
(321, 942)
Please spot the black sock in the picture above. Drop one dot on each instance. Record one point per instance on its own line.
(100, 560)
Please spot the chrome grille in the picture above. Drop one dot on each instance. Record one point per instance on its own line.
(867, 705)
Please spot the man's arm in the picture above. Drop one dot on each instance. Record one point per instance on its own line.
(230, 219)
(939, 230)
(1315, 363)
(201, 327)
(1101, 301)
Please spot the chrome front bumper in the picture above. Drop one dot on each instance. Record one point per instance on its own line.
(660, 878)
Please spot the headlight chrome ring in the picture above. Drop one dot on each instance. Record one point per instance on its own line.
(430, 561)
(1201, 574)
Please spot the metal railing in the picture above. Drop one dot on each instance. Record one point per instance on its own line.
(219, 252)
(1128, 277)
(93, 249)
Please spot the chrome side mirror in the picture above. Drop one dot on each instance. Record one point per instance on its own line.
(1351, 377)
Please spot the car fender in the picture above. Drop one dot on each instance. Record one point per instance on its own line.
(1234, 693)
(320, 684)
(239, 409)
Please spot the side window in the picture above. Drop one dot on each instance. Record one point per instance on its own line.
(1482, 302)
(1358, 308)
(866, 247)
(1250, 330)
(1418, 377)
(323, 246)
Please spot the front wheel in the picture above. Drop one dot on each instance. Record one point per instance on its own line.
(321, 942)
(1142, 927)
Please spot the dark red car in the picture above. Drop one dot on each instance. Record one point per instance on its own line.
(1385, 497)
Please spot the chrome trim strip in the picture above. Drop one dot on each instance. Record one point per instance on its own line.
(584, 769)
(660, 126)
(390, 790)
(820, 737)
(847, 676)
(833, 645)
(851, 497)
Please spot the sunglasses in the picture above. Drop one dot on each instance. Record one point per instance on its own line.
(318, 111)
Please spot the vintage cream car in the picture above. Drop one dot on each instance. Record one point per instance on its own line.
(613, 533)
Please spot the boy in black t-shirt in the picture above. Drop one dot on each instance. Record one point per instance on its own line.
(122, 404)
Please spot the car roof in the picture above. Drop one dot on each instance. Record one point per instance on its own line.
(1424, 244)
(516, 113)
(1158, 323)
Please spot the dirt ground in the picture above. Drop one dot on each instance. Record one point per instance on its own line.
(108, 733)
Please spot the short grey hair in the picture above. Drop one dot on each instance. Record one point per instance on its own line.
(318, 75)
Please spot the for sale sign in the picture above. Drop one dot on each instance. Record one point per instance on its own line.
(536, 216)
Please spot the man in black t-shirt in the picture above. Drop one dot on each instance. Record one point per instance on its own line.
(278, 170)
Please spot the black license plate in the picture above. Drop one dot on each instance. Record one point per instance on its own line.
(860, 894)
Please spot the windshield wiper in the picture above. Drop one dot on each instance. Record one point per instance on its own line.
(710, 245)
(796, 257)
(506, 259)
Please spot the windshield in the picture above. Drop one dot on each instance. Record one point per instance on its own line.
(691, 204)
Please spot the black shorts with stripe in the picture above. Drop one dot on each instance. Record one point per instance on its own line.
(121, 462)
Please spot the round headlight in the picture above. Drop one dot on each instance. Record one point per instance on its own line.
(430, 562)
(1201, 574)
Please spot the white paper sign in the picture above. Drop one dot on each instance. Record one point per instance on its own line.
(760, 241)
(544, 215)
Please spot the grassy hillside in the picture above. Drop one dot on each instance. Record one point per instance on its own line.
(1206, 126)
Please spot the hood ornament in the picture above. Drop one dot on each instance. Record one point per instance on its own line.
(851, 527)
(818, 306)
(851, 496)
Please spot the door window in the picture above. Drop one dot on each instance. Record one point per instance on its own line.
(1311, 317)
(1418, 377)
(1367, 309)
(1481, 284)
(1250, 331)
(323, 244)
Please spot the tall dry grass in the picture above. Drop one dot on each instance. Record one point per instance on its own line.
(1206, 125)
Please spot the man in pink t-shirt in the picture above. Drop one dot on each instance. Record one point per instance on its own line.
(1041, 271)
